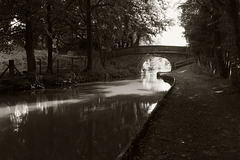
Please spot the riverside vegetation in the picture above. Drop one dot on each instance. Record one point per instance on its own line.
(116, 68)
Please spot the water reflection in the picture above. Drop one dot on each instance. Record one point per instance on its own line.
(19, 115)
(150, 82)
(91, 121)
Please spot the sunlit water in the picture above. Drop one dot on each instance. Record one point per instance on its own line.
(90, 121)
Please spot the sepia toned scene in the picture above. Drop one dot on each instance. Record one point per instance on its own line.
(120, 80)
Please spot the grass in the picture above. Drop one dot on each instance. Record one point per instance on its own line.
(121, 67)
(20, 61)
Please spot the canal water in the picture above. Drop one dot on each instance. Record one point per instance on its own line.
(93, 121)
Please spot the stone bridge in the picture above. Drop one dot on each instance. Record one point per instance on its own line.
(173, 54)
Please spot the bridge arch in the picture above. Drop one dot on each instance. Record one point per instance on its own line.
(157, 63)
(172, 53)
(134, 57)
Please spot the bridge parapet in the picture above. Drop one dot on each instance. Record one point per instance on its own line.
(151, 50)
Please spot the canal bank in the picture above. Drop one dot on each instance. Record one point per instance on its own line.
(86, 121)
(141, 133)
(199, 119)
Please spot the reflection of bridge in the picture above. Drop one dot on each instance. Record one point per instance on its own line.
(175, 54)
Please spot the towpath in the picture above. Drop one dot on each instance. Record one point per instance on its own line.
(199, 120)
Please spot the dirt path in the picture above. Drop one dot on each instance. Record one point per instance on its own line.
(200, 120)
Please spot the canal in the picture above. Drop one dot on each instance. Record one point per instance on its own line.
(92, 121)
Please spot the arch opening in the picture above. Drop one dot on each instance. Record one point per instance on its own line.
(150, 66)
(154, 65)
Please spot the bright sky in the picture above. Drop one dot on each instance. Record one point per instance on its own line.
(174, 34)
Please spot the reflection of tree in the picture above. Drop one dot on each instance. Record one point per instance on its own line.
(151, 82)
(96, 130)
(41, 103)
(19, 115)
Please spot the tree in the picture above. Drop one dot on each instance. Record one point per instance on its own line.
(89, 36)
(103, 24)
(17, 19)
(9, 29)
(29, 38)
(212, 29)
(129, 21)
(49, 36)
(126, 23)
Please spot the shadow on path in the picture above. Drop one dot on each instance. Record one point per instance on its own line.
(200, 119)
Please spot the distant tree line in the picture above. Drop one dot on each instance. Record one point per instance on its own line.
(212, 29)
(100, 24)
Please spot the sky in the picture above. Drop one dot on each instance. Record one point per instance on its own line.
(174, 34)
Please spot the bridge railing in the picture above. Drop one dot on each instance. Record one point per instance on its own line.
(183, 63)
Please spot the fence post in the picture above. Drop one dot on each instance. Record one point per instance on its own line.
(11, 67)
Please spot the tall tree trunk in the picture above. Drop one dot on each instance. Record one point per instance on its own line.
(89, 37)
(131, 40)
(49, 39)
(137, 42)
(103, 54)
(234, 14)
(31, 63)
(217, 49)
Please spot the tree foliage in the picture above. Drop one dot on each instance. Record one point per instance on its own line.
(212, 30)
(113, 24)
(128, 21)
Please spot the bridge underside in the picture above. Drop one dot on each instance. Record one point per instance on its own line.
(172, 58)
(137, 60)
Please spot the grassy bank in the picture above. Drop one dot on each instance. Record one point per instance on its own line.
(67, 70)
